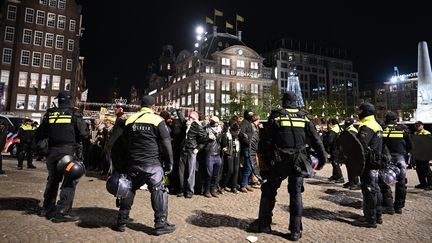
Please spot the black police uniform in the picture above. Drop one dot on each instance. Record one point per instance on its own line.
(399, 144)
(26, 135)
(332, 147)
(353, 181)
(146, 133)
(64, 127)
(370, 136)
(288, 129)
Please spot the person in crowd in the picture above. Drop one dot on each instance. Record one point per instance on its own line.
(26, 135)
(231, 152)
(213, 157)
(353, 181)
(245, 145)
(332, 148)
(423, 169)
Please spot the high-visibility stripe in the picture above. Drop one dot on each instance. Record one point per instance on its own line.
(292, 110)
(292, 118)
(60, 120)
(62, 116)
(393, 135)
(69, 166)
(294, 124)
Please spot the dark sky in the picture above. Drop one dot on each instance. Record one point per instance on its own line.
(121, 40)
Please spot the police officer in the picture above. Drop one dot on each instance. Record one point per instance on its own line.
(370, 136)
(26, 135)
(288, 129)
(332, 147)
(145, 133)
(64, 127)
(423, 169)
(399, 144)
(353, 181)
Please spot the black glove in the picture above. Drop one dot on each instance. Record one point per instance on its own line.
(168, 169)
(321, 164)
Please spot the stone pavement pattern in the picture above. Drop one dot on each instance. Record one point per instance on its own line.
(328, 214)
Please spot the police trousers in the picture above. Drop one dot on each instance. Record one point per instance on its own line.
(400, 187)
(67, 191)
(372, 198)
(25, 150)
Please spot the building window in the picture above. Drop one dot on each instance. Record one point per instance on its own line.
(32, 101)
(38, 38)
(67, 85)
(225, 71)
(254, 88)
(44, 2)
(22, 79)
(209, 69)
(53, 3)
(51, 20)
(29, 15)
(189, 88)
(225, 98)
(27, 36)
(59, 42)
(55, 82)
(183, 101)
(4, 77)
(54, 102)
(45, 81)
(69, 63)
(20, 101)
(58, 62)
(61, 4)
(61, 23)
(40, 17)
(34, 80)
(11, 12)
(225, 85)
(254, 65)
(196, 99)
(168, 66)
(240, 87)
(189, 100)
(9, 34)
(72, 25)
(196, 85)
(255, 100)
(209, 110)
(7, 55)
(49, 40)
(43, 102)
(210, 85)
(226, 61)
(36, 60)
(47, 60)
(210, 98)
(225, 111)
(240, 63)
(25, 57)
(70, 45)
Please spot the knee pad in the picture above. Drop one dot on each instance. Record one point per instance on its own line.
(158, 187)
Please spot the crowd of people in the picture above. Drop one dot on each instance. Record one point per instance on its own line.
(202, 155)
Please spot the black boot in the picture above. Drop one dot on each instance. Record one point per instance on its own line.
(65, 217)
(122, 220)
(163, 227)
(295, 236)
(258, 227)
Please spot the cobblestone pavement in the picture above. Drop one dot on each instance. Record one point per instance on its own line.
(328, 214)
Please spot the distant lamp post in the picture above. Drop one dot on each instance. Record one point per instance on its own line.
(200, 31)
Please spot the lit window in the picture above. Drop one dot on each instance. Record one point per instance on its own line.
(168, 66)
(183, 101)
(34, 80)
(226, 61)
(210, 98)
(56, 82)
(70, 45)
(4, 77)
(254, 88)
(225, 71)
(11, 12)
(51, 20)
(7, 55)
(38, 38)
(67, 84)
(209, 110)
(69, 64)
(196, 99)
(47, 60)
(58, 62)
(240, 63)
(61, 23)
(226, 86)
(61, 4)
(189, 100)
(72, 25)
(59, 42)
(36, 60)
(20, 101)
(225, 98)
(45, 81)
(22, 79)
(27, 36)
(254, 65)
(29, 15)
(209, 84)
(43, 102)
(196, 85)
(25, 57)
(9, 34)
(209, 69)
(189, 88)
(32, 102)
(225, 111)
(40, 17)
(240, 87)
(49, 40)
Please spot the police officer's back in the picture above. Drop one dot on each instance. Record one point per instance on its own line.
(288, 131)
(26, 134)
(64, 127)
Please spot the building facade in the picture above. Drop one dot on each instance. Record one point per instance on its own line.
(321, 71)
(222, 70)
(39, 53)
(401, 95)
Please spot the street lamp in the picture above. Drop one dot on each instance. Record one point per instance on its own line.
(200, 31)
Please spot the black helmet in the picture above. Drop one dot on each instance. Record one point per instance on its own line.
(348, 122)
(118, 185)
(289, 100)
(391, 117)
(367, 109)
(71, 167)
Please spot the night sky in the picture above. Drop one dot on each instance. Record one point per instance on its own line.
(120, 40)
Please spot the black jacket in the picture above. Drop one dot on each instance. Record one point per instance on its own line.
(196, 137)
(213, 146)
(26, 133)
(370, 136)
